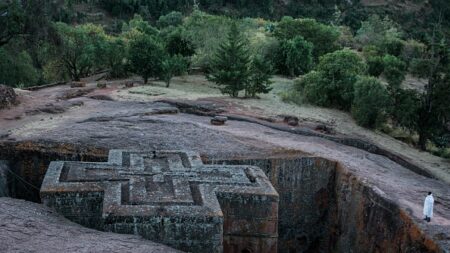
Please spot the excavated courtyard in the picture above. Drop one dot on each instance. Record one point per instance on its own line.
(337, 193)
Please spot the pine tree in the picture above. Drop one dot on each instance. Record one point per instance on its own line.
(261, 72)
(230, 66)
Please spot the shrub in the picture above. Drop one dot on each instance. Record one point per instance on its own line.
(323, 37)
(370, 102)
(332, 84)
(394, 71)
(16, 69)
(375, 65)
(172, 66)
(146, 54)
(261, 72)
(297, 54)
(174, 18)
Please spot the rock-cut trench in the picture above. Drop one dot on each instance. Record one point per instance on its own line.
(322, 207)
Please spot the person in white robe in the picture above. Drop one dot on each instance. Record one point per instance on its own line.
(428, 207)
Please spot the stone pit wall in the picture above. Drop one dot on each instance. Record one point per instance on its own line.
(306, 189)
(30, 160)
(4, 178)
(363, 221)
(323, 208)
(356, 219)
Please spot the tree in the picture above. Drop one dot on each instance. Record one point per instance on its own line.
(370, 102)
(378, 32)
(12, 21)
(139, 24)
(80, 49)
(145, 56)
(434, 112)
(332, 83)
(174, 18)
(177, 43)
(375, 65)
(323, 37)
(230, 65)
(297, 54)
(261, 72)
(115, 55)
(394, 71)
(16, 68)
(172, 66)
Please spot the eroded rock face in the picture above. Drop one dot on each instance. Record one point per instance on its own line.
(4, 179)
(7, 97)
(31, 227)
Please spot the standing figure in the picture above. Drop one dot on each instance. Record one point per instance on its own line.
(428, 207)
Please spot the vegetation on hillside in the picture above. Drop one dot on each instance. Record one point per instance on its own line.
(343, 55)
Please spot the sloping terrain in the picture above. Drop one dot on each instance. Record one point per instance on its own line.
(375, 190)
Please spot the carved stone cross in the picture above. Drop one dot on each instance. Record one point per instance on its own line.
(169, 197)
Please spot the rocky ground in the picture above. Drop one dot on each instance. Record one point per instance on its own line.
(61, 119)
(30, 227)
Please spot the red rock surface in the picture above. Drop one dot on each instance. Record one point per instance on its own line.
(31, 227)
(370, 181)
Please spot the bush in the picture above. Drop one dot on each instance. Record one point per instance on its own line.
(375, 65)
(297, 54)
(370, 102)
(174, 18)
(332, 84)
(16, 69)
(172, 66)
(323, 37)
(394, 71)
(405, 108)
(178, 43)
(261, 72)
(393, 46)
(146, 54)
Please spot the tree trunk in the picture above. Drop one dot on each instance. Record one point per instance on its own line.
(167, 83)
(422, 141)
(145, 79)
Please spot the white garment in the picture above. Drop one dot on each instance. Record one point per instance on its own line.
(428, 206)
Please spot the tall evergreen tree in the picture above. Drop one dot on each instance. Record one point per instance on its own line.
(261, 72)
(230, 66)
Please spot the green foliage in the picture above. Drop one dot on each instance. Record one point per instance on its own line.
(420, 67)
(206, 32)
(332, 84)
(174, 18)
(296, 56)
(115, 53)
(379, 32)
(393, 46)
(178, 43)
(54, 71)
(261, 72)
(145, 56)
(172, 66)
(230, 66)
(394, 71)
(16, 69)
(375, 65)
(405, 108)
(12, 18)
(139, 24)
(81, 48)
(323, 37)
(370, 102)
